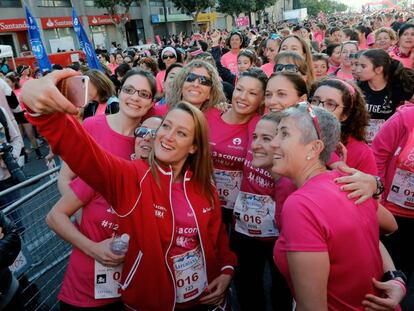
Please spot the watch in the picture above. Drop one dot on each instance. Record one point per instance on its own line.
(390, 275)
(380, 187)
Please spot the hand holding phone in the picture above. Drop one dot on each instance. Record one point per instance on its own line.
(75, 89)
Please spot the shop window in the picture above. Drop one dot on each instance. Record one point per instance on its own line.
(10, 3)
(56, 3)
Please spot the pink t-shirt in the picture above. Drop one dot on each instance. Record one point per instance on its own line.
(112, 67)
(361, 157)
(160, 80)
(332, 69)
(255, 207)
(98, 220)
(229, 60)
(318, 217)
(268, 69)
(406, 61)
(229, 144)
(344, 76)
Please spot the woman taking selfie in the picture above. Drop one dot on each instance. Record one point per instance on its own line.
(166, 206)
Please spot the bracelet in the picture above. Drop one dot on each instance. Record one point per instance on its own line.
(400, 284)
(34, 114)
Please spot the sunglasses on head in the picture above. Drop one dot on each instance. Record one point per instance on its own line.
(287, 67)
(142, 132)
(171, 56)
(202, 79)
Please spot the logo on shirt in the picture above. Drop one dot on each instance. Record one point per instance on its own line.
(237, 141)
(159, 210)
(207, 209)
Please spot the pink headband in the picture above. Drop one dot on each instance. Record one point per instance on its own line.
(196, 52)
(349, 86)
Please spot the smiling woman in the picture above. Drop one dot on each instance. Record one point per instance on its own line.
(161, 204)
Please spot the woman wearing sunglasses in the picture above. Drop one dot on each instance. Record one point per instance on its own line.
(92, 234)
(168, 56)
(197, 83)
(178, 254)
(293, 62)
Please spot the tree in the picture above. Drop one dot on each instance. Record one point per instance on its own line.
(119, 16)
(235, 7)
(193, 7)
(326, 6)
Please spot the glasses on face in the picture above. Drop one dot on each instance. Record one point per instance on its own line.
(315, 120)
(142, 132)
(287, 67)
(141, 93)
(328, 104)
(171, 56)
(202, 79)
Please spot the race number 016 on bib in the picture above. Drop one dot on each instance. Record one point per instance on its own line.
(190, 275)
(107, 281)
(228, 186)
(402, 189)
(255, 215)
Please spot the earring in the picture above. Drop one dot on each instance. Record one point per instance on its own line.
(308, 158)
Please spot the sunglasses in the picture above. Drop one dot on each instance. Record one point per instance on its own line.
(172, 56)
(287, 67)
(202, 79)
(142, 132)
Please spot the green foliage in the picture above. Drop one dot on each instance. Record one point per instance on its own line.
(326, 6)
(260, 5)
(112, 6)
(193, 6)
(234, 7)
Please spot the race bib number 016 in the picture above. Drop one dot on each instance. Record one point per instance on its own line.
(190, 275)
(228, 186)
(255, 215)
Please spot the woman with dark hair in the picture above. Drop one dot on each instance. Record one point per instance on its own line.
(333, 51)
(385, 84)
(320, 65)
(403, 50)
(229, 60)
(345, 101)
(167, 57)
(149, 64)
(178, 255)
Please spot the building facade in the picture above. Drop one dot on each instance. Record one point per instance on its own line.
(53, 17)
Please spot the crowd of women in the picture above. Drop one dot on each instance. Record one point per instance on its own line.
(281, 155)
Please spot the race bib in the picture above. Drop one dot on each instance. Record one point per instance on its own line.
(107, 281)
(373, 129)
(255, 215)
(190, 275)
(402, 189)
(228, 186)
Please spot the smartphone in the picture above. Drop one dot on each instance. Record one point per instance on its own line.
(75, 89)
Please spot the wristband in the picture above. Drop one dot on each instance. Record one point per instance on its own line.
(400, 284)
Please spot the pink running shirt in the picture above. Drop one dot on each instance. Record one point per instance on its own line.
(229, 60)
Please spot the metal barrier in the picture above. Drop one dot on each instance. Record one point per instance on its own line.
(44, 256)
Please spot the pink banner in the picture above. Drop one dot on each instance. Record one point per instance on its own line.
(242, 21)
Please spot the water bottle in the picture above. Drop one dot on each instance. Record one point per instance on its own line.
(119, 245)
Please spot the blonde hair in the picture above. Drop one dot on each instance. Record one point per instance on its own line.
(389, 31)
(216, 93)
(200, 163)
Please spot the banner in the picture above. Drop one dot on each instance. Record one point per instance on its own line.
(242, 21)
(38, 48)
(85, 44)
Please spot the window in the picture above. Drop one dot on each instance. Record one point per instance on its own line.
(64, 3)
(10, 3)
(90, 3)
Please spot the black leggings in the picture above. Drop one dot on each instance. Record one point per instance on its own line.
(399, 245)
(116, 306)
(252, 256)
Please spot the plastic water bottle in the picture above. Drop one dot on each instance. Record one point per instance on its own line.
(119, 245)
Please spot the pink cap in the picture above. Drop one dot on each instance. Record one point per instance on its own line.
(370, 39)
